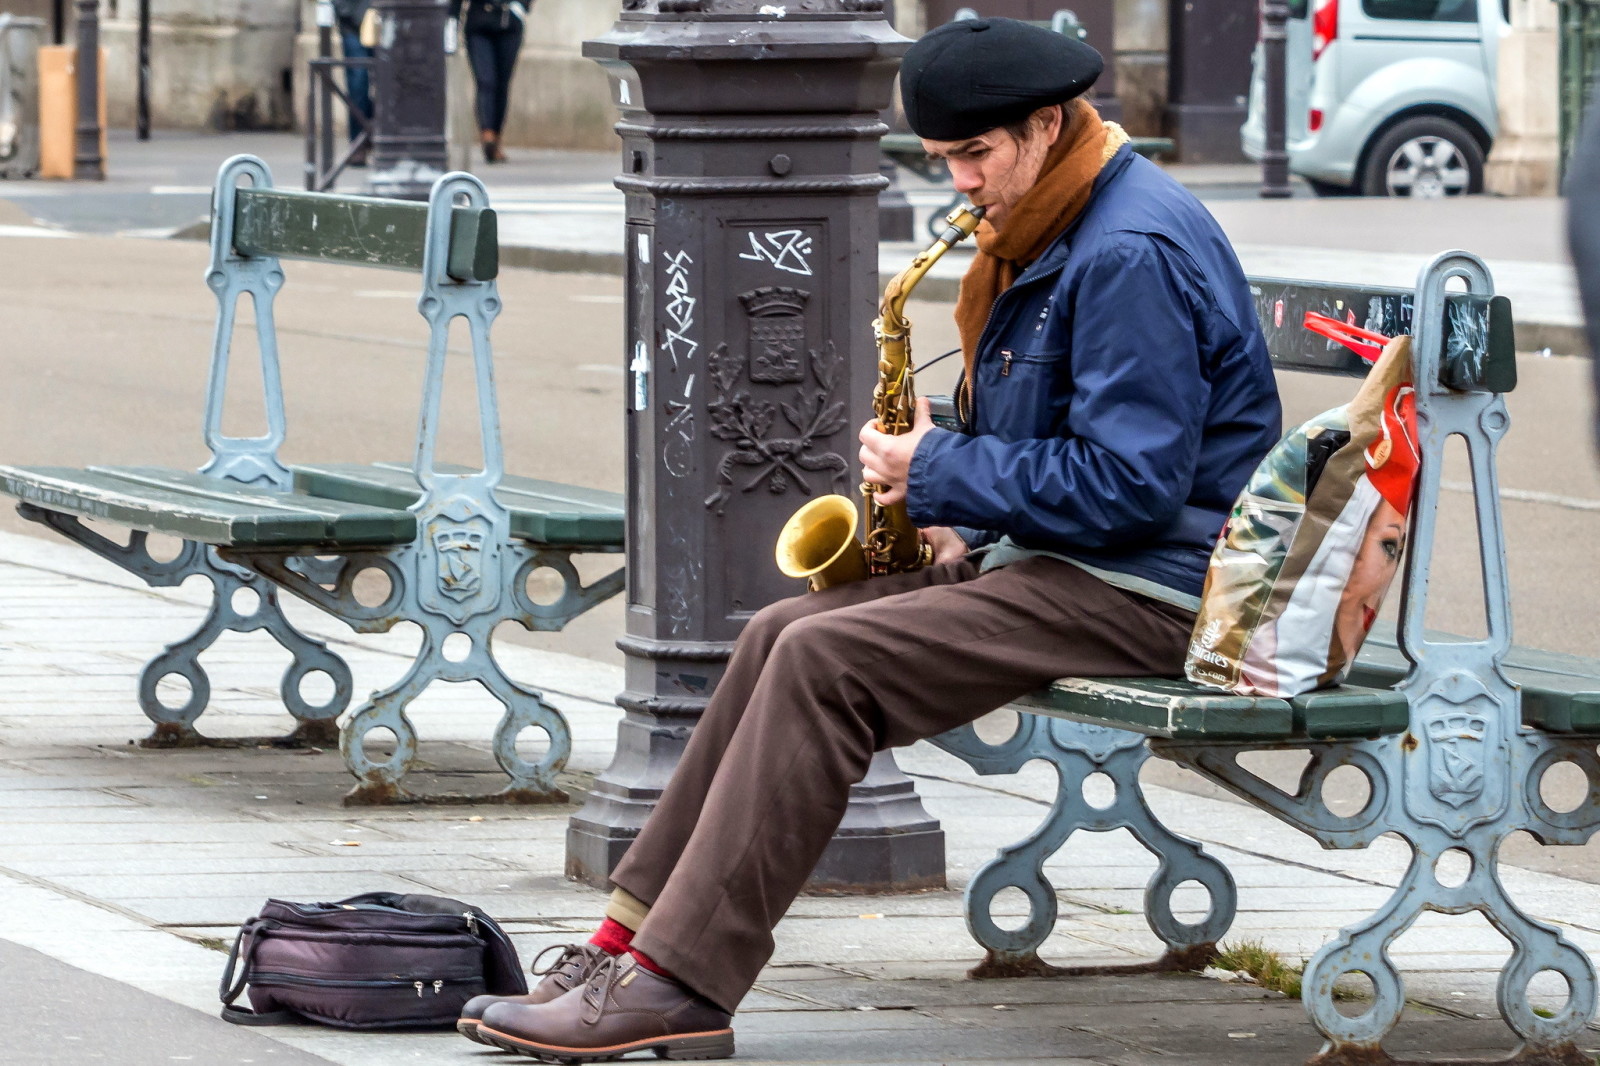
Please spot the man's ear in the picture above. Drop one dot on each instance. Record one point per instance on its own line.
(1050, 121)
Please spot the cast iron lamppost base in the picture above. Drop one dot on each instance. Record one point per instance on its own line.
(750, 163)
(409, 151)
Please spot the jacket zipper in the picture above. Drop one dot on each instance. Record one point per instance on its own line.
(968, 391)
(1005, 363)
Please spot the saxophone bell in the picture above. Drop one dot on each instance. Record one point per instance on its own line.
(819, 543)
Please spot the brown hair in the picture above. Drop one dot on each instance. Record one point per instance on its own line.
(1018, 130)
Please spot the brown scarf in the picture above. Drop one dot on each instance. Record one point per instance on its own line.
(1085, 146)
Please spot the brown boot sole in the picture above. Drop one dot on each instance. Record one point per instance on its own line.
(468, 1027)
(713, 1045)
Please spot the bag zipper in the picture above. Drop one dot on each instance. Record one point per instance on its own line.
(268, 978)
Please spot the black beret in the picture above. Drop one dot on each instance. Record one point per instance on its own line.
(970, 76)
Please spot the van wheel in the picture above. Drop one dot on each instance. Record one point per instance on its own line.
(1426, 157)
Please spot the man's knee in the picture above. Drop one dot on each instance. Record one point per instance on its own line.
(814, 639)
(774, 618)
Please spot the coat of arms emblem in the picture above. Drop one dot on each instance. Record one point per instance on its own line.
(1455, 756)
(460, 565)
(777, 333)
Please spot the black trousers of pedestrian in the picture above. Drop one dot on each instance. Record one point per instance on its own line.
(493, 54)
(819, 682)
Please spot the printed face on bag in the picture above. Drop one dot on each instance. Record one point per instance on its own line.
(1377, 561)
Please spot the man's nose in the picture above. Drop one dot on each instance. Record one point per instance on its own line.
(965, 177)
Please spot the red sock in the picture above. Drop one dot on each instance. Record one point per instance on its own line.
(650, 964)
(612, 937)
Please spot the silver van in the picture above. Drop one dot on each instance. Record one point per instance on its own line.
(1387, 97)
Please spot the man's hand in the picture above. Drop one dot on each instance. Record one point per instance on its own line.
(946, 543)
(886, 459)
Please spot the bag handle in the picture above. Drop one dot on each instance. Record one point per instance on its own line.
(239, 958)
(1367, 343)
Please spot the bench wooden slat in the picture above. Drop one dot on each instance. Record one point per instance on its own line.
(146, 507)
(1560, 693)
(542, 512)
(1177, 710)
(1163, 707)
(352, 525)
(361, 230)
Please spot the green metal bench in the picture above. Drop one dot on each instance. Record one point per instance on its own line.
(457, 545)
(1453, 736)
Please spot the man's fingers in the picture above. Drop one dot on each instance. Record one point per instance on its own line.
(889, 497)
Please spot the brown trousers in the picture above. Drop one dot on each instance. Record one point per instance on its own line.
(815, 685)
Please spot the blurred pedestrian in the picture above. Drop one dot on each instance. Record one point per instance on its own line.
(493, 33)
(1583, 226)
(357, 82)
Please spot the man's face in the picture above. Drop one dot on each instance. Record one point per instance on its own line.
(995, 169)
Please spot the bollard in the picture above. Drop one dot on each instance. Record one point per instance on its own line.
(409, 150)
(1275, 84)
(750, 163)
(88, 160)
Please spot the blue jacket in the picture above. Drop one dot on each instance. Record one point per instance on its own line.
(1122, 393)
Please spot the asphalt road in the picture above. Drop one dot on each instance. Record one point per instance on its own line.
(106, 342)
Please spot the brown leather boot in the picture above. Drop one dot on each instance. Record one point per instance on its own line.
(573, 967)
(623, 1007)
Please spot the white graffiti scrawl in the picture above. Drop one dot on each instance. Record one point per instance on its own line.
(680, 308)
(787, 250)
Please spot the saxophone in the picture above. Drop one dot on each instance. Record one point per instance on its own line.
(819, 540)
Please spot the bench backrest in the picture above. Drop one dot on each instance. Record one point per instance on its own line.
(451, 241)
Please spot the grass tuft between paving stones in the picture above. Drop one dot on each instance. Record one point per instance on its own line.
(1262, 965)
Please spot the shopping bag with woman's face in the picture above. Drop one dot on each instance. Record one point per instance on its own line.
(1315, 539)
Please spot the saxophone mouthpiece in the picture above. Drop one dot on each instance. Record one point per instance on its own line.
(961, 224)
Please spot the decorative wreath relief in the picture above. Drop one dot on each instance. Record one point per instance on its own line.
(746, 422)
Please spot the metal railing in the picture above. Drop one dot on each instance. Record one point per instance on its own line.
(324, 163)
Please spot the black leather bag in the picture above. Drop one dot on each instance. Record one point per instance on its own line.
(381, 960)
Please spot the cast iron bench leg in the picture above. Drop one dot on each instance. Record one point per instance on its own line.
(174, 726)
(423, 589)
(1461, 781)
(1078, 750)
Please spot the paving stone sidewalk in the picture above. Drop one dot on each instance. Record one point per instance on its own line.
(137, 865)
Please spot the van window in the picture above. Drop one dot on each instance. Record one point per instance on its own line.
(1422, 10)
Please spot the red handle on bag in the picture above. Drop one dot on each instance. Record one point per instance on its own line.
(1366, 343)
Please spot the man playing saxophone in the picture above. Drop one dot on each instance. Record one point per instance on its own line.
(1116, 396)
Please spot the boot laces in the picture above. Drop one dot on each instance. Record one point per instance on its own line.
(598, 988)
(575, 958)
